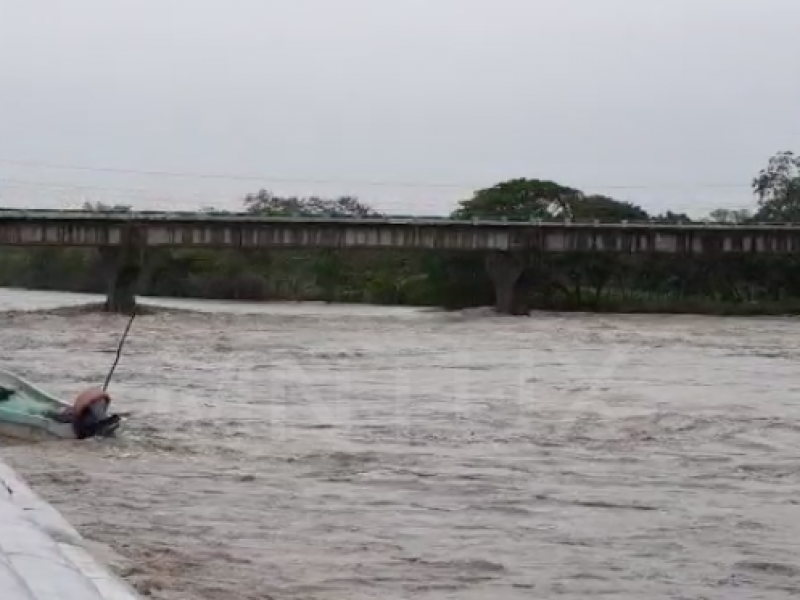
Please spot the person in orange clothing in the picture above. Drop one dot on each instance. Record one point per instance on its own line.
(90, 414)
(87, 399)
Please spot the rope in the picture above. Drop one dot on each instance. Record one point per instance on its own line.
(119, 350)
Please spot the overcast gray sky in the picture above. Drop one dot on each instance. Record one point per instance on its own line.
(408, 104)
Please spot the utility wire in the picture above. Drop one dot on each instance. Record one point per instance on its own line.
(229, 177)
(272, 179)
(194, 201)
(59, 186)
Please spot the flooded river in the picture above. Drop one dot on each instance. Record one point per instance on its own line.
(321, 452)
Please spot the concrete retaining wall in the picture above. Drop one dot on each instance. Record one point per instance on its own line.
(42, 557)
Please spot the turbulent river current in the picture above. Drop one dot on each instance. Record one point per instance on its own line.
(325, 452)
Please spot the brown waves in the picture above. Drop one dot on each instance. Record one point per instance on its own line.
(318, 453)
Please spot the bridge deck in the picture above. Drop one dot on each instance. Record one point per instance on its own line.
(188, 217)
(244, 230)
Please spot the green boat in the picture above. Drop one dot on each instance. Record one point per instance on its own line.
(29, 413)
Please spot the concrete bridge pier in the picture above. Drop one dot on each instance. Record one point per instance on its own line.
(122, 267)
(505, 269)
(122, 276)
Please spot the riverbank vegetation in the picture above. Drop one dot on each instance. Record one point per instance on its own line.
(725, 284)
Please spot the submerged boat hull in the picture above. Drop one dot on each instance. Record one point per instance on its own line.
(29, 413)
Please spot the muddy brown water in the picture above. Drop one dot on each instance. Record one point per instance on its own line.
(350, 453)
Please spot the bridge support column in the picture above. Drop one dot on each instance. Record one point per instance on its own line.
(505, 269)
(122, 267)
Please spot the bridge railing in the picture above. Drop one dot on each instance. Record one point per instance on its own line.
(43, 214)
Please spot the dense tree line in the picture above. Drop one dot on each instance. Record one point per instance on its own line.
(730, 283)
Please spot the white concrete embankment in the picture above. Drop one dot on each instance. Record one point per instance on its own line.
(42, 557)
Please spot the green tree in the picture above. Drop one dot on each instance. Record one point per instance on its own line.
(264, 202)
(730, 215)
(778, 189)
(519, 199)
(103, 207)
(671, 217)
(605, 209)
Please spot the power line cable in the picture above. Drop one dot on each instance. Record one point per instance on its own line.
(138, 193)
(196, 201)
(60, 186)
(385, 183)
(229, 177)
(76, 193)
(206, 197)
